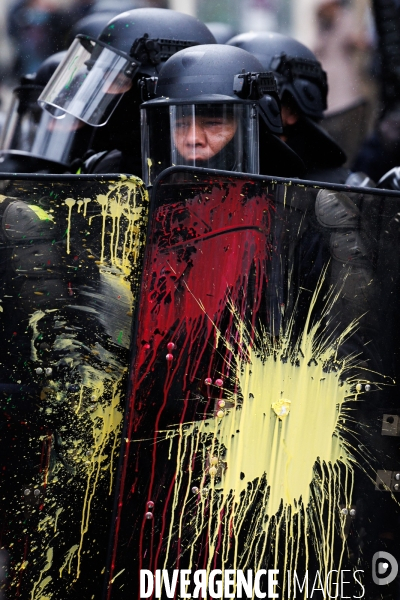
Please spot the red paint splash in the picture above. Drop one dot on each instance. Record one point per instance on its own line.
(203, 253)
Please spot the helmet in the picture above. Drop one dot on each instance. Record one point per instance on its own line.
(24, 116)
(32, 139)
(96, 73)
(47, 68)
(24, 113)
(296, 68)
(92, 24)
(206, 110)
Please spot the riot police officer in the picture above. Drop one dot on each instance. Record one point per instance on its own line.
(210, 105)
(32, 140)
(303, 89)
(97, 81)
(340, 226)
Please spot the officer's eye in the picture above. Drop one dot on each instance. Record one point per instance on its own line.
(214, 122)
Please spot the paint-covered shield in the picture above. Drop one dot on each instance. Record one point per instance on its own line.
(70, 260)
(262, 422)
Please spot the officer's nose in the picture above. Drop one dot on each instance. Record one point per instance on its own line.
(195, 135)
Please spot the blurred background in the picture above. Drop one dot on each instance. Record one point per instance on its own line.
(349, 37)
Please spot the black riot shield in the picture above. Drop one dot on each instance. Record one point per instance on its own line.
(71, 253)
(260, 447)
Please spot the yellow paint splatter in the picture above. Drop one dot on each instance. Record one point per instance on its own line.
(70, 202)
(149, 165)
(68, 559)
(42, 583)
(85, 205)
(122, 205)
(106, 422)
(281, 408)
(58, 512)
(82, 452)
(117, 575)
(266, 489)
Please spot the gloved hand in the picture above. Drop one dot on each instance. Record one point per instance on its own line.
(351, 271)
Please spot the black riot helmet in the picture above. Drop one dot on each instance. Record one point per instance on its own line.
(209, 103)
(96, 73)
(92, 24)
(303, 87)
(296, 68)
(47, 68)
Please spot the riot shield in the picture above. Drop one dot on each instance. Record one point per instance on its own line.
(71, 254)
(260, 447)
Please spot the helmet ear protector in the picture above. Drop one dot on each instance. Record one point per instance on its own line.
(305, 79)
(296, 68)
(293, 68)
(262, 88)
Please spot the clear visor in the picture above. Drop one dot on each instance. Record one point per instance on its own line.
(213, 136)
(23, 117)
(88, 83)
(62, 140)
(31, 129)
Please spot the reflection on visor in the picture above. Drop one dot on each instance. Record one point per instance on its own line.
(214, 136)
(20, 125)
(89, 83)
(206, 135)
(62, 140)
(200, 137)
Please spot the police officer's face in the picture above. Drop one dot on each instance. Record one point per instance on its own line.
(118, 84)
(65, 124)
(202, 137)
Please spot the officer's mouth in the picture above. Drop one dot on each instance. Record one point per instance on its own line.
(194, 156)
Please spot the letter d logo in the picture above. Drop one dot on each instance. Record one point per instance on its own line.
(384, 568)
